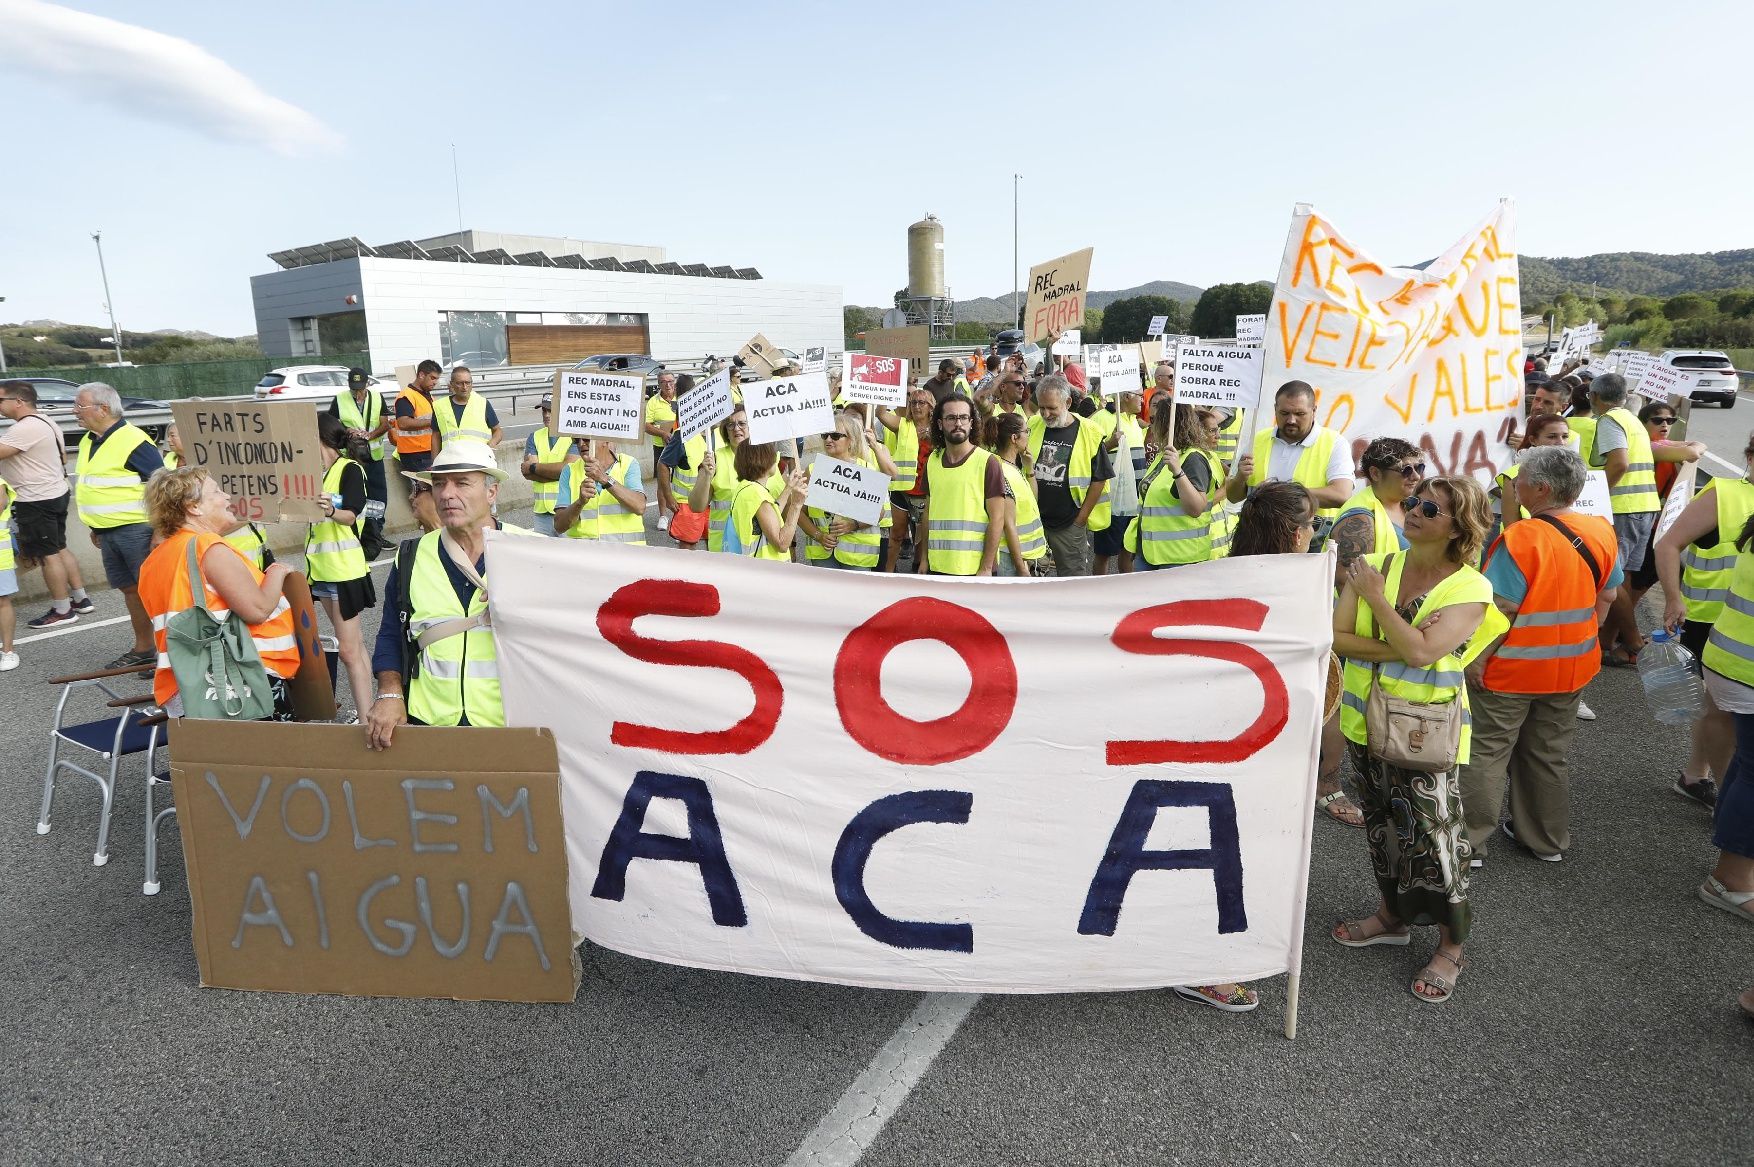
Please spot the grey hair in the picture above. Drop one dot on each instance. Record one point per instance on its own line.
(1559, 467)
(104, 395)
(1053, 383)
(1609, 388)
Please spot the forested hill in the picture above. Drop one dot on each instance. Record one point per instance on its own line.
(1637, 273)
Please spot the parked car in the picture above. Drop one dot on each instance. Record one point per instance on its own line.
(55, 402)
(1715, 374)
(477, 360)
(298, 382)
(643, 367)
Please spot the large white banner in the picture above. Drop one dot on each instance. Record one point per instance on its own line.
(1434, 355)
(926, 783)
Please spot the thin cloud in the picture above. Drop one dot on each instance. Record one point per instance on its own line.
(152, 74)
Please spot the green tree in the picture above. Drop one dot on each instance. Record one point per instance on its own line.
(1688, 306)
(1643, 308)
(1125, 321)
(1094, 322)
(1215, 315)
(856, 320)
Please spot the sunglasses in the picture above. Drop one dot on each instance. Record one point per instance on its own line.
(420, 488)
(1662, 421)
(1424, 506)
(1417, 470)
(836, 436)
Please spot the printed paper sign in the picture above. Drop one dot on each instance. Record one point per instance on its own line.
(857, 492)
(1157, 325)
(1595, 498)
(787, 820)
(598, 405)
(1638, 368)
(1432, 355)
(1251, 329)
(1056, 295)
(1068, 344)
(788, 407)
(1659, 382)
(435, 869)
(1218, 375)
(873, 380)
(704, 406)
(264, 454)
(815, 359)
(1118, 368)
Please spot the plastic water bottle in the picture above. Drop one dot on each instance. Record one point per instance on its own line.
(1670, 688)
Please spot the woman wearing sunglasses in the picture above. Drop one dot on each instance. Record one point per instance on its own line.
(835, 540)
(1409, 621)
(1370, 523)
(1621, 638)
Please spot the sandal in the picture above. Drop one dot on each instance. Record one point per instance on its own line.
(1326, 804)
(1621, 658)
(1351, 933)
(1736, 903)
(1446, 986)
(1240, 999)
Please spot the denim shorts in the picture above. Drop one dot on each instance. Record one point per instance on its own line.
(124, 550)
(8, 582)
(324, 589)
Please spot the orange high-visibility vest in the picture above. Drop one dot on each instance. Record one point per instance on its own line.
(164, 591)
(1551, 646)
(417, 441)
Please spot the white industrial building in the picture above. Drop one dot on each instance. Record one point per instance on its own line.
(488, 299)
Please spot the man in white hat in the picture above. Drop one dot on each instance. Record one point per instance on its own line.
(435, 659)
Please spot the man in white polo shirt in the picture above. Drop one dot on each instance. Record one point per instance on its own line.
(1298, 450)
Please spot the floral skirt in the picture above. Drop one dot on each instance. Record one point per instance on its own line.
(1419, 846)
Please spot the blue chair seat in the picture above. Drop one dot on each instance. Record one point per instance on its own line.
(101, 735)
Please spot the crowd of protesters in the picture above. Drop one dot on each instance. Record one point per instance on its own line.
(1484, 611)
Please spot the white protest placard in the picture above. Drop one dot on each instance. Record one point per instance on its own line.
(1433, 355)
(1251, 329)
(1659, 382)
(1157, 325)
(1069, 343)
(857, 492)
(1118, 366)
(704, 406)
(599, 405)
(1595, 499)
(951, 844)
(788, 407)
(815, 359)
(1215, 375)
(870, 379)
(1635, 367)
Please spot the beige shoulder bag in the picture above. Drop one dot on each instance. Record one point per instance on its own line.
(1420, 736)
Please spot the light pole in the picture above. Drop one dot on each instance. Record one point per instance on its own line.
(97, 237)
(1016, 321)
(2, 348)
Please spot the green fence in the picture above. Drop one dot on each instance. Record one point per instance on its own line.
(196, 379)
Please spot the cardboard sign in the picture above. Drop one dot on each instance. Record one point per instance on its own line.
(788, 820)
(264, 454)
(1595, 498)
(913, 343)
(1211, 375)
(1157, 325)
(873, 380)
(1069, 343)
(405, 376)
(860, 493)
(760, 355)
(1433, 355)
(311, 690)
(788, 407)
(1251, 329)
(815, 359)
(1056, 295)
(599, 405)
(436, 868)
(704, 406)
(1150, 352)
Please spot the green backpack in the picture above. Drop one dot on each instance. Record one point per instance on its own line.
(219, 674)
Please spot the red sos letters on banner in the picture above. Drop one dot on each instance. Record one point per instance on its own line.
(926, 783)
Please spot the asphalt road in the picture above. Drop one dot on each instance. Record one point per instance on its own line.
(1596, 1023)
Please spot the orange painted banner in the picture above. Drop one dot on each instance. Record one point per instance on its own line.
(1432, 355)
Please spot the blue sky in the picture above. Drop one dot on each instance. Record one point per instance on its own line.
(802, 139)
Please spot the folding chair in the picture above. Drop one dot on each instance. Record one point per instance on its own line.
(110, 738)
(154, 819)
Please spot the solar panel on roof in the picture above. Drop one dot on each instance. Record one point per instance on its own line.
(606, 263)
(402, 249)
(643, 266)
(670, 269)
(451, 253)
(748, 273)
(723, 273)
(534, 259)
(576, 261)
(696, 269)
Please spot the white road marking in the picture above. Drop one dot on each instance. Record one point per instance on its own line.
(1737, 471)
(846, 1132)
